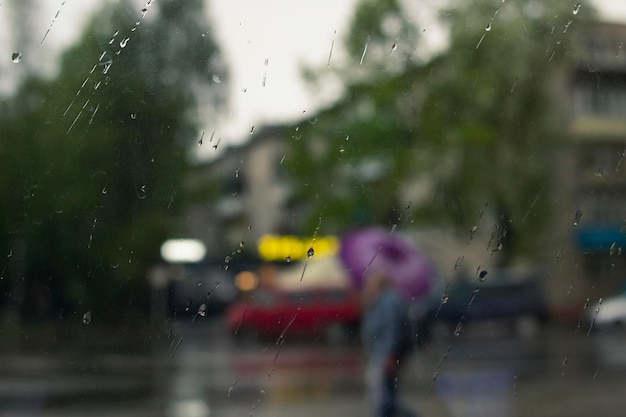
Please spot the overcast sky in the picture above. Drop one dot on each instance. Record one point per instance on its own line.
(263, 41)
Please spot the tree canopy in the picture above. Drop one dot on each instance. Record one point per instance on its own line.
(94, 159)
(470, 132)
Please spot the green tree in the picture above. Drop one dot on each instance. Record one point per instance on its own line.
(96, 157)
(473, 129)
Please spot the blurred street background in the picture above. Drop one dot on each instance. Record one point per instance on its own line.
(178, 180)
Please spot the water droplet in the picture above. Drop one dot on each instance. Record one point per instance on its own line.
(133, 116)
(188, 306)
(576, 8)
(143, 12)
(310, 252)
(202, 310)
(16, 57)
(252, 130)
(567, 25)
(612, 248)
(124, 42)
(577, 217)
(488, 27)
(444, 298)
(482, 275)
(342, 149)
(216, 79)
(458, 262)
(473, 231)
(458, 329)
(394, 47)
(104, 190)
(599, 172)
(87, 317)
(288, 259)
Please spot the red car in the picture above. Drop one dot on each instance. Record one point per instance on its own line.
(330, 313)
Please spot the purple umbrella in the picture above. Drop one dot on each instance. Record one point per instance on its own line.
(374, 249)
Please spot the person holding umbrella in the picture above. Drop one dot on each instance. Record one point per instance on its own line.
(392, 275)
(384, 315)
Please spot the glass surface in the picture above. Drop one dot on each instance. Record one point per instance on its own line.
(182, 183)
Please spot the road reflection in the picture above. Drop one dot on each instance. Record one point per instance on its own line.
(198, 371)
(474, 374)
(209, 372)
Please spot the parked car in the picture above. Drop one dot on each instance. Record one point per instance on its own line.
(202, 289)
(610, 312)
(517, 301)
(330, 313)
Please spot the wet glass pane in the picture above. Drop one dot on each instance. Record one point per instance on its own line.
(278, 208)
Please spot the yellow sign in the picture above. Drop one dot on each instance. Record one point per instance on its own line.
(280, 248)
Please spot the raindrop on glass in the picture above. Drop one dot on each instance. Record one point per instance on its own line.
(188, 306)
(482, 275)
(133, 116)
(576, 8)
(458, 329)
(488, 27)
(202, 310)
(216, 79)
(444, 298)
(394, 47)
(310, 252)
(87, 317)
(16, 57)
(577, 217)
(288, 259)
(124, 42)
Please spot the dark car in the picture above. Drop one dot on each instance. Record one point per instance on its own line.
(332, 314)
(516, 301)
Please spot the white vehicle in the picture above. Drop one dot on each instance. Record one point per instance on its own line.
(610, 312)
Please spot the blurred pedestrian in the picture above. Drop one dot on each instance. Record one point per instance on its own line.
(384, 315)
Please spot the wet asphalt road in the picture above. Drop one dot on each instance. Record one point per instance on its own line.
(196, 370)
